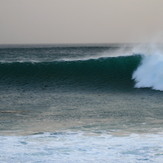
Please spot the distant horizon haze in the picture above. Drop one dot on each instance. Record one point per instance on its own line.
(81, 21)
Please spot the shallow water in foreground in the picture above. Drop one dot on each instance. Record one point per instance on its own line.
(82, 127)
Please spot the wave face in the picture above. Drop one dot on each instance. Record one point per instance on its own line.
(98, 72)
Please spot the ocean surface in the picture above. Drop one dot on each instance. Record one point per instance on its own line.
(81, 103)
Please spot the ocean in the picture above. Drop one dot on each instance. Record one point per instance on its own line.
(81, 103)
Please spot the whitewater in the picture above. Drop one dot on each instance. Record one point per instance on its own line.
(79, 147)
(99, 103)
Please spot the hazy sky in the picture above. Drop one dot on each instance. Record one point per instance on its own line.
(80, 21)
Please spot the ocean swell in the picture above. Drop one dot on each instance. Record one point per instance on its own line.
(101, 71)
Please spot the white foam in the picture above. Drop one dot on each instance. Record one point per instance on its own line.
(83, 148)
(150, 72)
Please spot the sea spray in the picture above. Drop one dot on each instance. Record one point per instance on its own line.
(150, 73)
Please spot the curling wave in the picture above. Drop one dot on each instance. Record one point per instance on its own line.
(140, 71)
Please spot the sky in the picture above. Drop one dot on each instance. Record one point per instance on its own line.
(80, 21)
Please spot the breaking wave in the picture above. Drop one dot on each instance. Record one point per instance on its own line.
(150, 73)
(137, 69)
